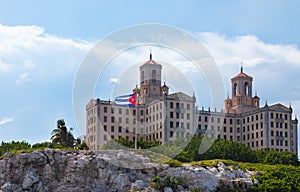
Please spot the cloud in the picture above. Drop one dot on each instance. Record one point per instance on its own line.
(5, 120)
(114, 80)
(4, 67)
(248, 49)
(24, 77)
(25, 49)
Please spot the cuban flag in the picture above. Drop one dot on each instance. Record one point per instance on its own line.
(126, 100)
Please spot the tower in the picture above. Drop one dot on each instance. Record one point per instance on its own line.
(242, 99)
(150, 81)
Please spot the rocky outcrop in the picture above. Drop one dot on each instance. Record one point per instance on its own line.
(57, 170)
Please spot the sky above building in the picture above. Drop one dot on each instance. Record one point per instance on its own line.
(43, 43)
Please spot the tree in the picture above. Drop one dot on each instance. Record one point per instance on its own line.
(62, 136)
(81, 145)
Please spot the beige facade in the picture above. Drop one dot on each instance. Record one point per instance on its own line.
(162, 116)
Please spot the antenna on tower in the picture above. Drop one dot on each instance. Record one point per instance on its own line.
(150, 53)
(242, 67)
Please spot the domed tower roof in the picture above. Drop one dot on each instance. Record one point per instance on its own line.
(242, 74)
(150, 61)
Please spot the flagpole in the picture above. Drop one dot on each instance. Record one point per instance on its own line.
(137, 122)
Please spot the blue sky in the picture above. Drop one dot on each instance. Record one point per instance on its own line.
(42, 44)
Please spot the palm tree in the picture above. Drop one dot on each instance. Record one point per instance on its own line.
(61, 135)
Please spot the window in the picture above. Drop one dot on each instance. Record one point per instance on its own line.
(285, 117)
(224, 129)
(120, 129)
(205, 119)
(286, 125)
(285, 134)
(141, 112)
(134, 112)
(171, 124)
(112, 129)
(224, 120)
(127, 120)
(171, 133)
(127, 129)
(286, 143)
(225, 137)
(105, 128)
(272, 115)
(120, 111)
(272, 142)
(182, 115)
(261, 133)
(177, 105)
(171, 105)
(104, 137)
(105, 118)
(112, 119)
(230, 129)
(127, 111)
(112, 110)
(105, 109)
(188, 125)
(120, 120)
(171, 115)
(272, 124)
(188, 115)
(177, 115)
(199, 118)
(112, 136)
(188, 106)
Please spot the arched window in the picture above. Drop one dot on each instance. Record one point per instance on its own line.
(246, 89)
(153, 76)
(142, 77)
(234, 89)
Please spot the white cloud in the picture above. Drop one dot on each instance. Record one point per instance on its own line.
(5, 120)
(114, 80)
(24, 77)
(25, 48)
(4, 67)
(248, 49)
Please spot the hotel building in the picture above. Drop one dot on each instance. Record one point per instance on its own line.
(161, 116)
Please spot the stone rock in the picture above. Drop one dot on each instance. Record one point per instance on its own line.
(168, 189)
(122, 183)
(6, 187)
(138, 185)
(114, 170)
(29, 180)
